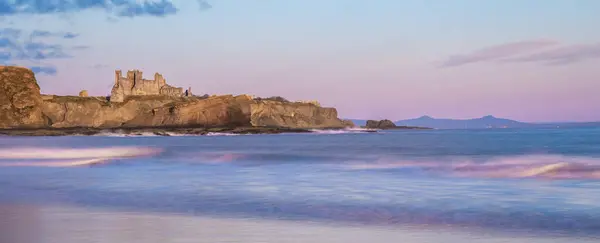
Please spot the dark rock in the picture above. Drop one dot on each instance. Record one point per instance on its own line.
(273, 98)
(348, 123)
(383, 124)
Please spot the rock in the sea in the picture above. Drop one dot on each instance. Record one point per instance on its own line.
(348, 123)
(383, 124)
(20, 99)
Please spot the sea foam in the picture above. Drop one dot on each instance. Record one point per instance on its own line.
(531, 166)
(62, 157)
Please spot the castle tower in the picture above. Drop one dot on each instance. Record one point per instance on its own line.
(159, 79)
(137, 76)
(117, 76)
(130, 75)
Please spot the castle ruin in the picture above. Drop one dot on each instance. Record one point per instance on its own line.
(135, 84)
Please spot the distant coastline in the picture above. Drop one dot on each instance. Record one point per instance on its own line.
(485, 122)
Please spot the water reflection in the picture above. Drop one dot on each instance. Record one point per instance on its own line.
(33, 224)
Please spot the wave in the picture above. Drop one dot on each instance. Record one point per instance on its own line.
(221, 134)
(65, 157)
(151, 134)
(530, 166)
(342, 131)
(141, 134)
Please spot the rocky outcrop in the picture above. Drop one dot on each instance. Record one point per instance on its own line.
(383, 124)
(387, 124)
(242, 110)
(348, 123)
(293, 114)
(73, 111)
(83, 93)
(219, 111)
(22, 106)
(20, 99)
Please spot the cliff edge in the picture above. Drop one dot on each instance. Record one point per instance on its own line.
(20, 99)
(22, 106)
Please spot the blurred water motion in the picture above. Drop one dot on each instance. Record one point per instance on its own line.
(32, 224)
(526, 185)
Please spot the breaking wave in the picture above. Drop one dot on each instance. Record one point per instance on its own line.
(151, 134)
(142, 134)
(342, 131)
(531, 166)
(65, 157)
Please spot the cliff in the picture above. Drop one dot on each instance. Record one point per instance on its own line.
(20, 100)
(22, 106)
(293, 114)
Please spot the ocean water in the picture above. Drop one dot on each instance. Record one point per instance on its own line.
(511, 185)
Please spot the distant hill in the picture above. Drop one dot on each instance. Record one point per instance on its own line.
(480, 123)
(475, 123)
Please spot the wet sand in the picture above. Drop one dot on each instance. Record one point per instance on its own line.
(51, 224)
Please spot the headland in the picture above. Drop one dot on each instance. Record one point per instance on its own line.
(140, 105)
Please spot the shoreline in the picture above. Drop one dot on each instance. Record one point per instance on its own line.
(162, 131)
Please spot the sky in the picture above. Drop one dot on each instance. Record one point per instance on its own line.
(534, 60)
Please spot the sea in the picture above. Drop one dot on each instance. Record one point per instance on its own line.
(488, 185)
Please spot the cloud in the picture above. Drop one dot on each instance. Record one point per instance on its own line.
(155, 9)
(562, 55)
(70, 35)
(496, 52)
(5, 56)
(19, 47)
(43, 51)
(10, 32)
(47, 70)
(204, 5)
(121, 8)
(45, 33)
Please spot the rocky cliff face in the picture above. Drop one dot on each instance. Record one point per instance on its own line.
(22, 106)
(20, 99)
(293, 114)
(73, 111)
(219, 111)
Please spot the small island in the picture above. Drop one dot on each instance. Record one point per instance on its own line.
(388, 125)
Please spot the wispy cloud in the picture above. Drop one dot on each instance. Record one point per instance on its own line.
(121, 8)
(16, 46)
(70, 35)
(47, 70)
(10, 32)
(155, 9)
(562, 55)
(45, 33)
(497, 52)
(204, 5)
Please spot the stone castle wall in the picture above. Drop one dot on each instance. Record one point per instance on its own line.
(134, 84)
